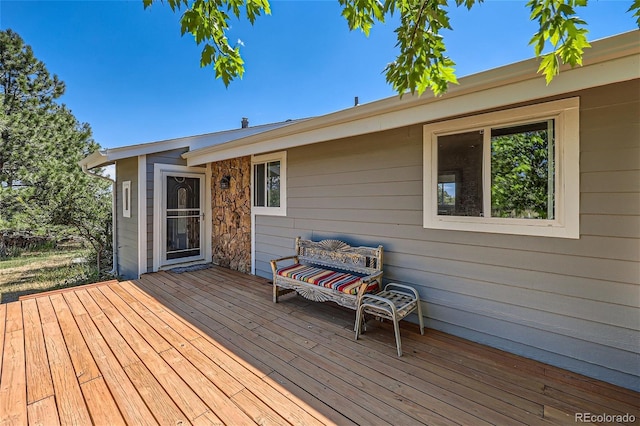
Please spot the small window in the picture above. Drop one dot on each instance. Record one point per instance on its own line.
(269, 184)
(513, 171)
(126, 198)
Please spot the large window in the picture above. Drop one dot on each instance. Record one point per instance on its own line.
(269, 184)
(514, 171)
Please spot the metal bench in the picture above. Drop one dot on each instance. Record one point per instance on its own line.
(394, 303)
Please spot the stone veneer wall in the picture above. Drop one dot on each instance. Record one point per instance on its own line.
(231, 208)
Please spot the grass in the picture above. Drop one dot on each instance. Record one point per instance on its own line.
(43, 270)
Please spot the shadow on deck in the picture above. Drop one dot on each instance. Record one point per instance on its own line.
(209, 347)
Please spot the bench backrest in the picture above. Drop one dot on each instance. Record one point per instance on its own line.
(340, 255)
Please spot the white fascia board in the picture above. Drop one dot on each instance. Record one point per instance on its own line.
(93, 160)
(105, 157)
(109, 156)
(114, 154)
(610, 60)
(136, 150)
(569, 81)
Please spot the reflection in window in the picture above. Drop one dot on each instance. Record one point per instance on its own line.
(522, 171)
(461, 152)
(273, 184)
(446, 193)
(528, 179)
(266, 184)
(259, 179)
(521, 161)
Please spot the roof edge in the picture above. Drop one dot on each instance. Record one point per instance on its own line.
(97, 158)
(107, 156)
(604, 50)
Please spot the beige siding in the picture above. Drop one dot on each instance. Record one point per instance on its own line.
(127, 227)
(572, 303)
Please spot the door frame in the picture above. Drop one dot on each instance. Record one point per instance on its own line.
(159, 171)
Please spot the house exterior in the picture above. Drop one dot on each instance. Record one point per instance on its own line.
(557, 280)
(142, 172)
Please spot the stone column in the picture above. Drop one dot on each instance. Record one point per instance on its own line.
(231, 208)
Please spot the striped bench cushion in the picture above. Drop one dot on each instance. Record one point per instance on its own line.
(339, 281)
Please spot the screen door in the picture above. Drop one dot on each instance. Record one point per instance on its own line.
(183, 227)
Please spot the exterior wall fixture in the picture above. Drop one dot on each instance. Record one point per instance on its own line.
(225, 182)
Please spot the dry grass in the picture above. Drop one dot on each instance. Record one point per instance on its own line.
(36, 271)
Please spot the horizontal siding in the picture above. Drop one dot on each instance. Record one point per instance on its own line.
(572, 303)
(470, 325)
(620, 247)
(276, 239)
(461, 279)
(127, 238)
(610, 203)
(533, 322)
(362, 178)
(614, 226)
(611, 160)
(618, 181)
(366, 189)
(357, 201)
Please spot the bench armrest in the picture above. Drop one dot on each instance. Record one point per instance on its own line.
(365, 283)
(376, 276)
(274, 262)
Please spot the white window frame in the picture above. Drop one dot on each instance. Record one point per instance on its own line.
(126, 198)
(263, 159)
(566, 223)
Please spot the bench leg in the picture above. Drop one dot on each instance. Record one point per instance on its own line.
(275, 293)
(359, 320)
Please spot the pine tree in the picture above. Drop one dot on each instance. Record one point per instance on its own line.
(41, 143)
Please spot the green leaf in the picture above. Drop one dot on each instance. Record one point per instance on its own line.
(421, 62)
(549, 66)
(208, 22)
(635, 8)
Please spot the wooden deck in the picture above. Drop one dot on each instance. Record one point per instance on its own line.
(209, 347)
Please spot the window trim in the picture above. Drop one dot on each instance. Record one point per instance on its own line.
(567, 167)
(126, 198)
(263, 159)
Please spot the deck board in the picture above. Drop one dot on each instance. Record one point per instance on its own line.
(13, 386)
(414, 392)
(128, 400)
(38, 374)
(83, 363)
(72, 409)
(3, 323)
(283, 405)
(209, 347)
(43, 412)
(100, 402)
(163, 388)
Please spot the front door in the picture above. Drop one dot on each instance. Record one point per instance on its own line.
(183, 230)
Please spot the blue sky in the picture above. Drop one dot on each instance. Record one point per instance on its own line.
(134, 79)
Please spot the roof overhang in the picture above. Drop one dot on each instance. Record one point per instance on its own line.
(608, 61)
(105, 157)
